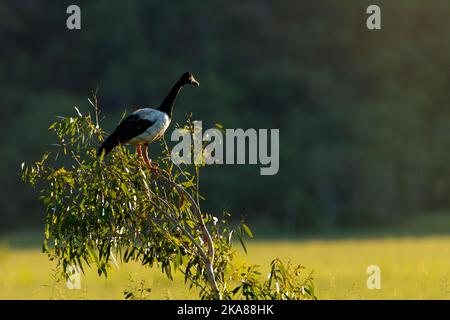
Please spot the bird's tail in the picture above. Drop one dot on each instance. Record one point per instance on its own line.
(110, 143)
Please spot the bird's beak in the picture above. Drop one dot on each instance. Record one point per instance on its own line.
(195, 82)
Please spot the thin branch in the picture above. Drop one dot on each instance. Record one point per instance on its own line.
(192, 279)
(178, 223)
(197, 211)
(208, 263)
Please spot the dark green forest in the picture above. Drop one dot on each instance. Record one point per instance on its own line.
(364, 116)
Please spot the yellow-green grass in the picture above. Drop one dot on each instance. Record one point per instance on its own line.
(411, 268)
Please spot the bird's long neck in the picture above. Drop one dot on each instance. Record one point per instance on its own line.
(167, 104)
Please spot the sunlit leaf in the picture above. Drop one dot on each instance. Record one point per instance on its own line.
(247, 230)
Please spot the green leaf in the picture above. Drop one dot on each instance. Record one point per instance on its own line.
(187, 184)
(242, 242)
(124, 188)
(128, 295)
(235, 290)
(93, 254)
(247, 230)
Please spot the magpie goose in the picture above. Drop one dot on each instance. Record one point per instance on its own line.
(146, 125)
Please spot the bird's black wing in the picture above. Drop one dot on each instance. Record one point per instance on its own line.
(131, 127)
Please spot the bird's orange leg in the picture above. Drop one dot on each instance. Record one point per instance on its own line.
(148, 161)
(139, 150)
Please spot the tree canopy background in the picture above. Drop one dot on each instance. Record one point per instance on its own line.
(363, 115)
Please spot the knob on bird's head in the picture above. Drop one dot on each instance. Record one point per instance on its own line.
(188, 78)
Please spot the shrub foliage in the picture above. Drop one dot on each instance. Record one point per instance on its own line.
(102, 211)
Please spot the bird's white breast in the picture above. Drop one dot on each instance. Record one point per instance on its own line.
(161, 123)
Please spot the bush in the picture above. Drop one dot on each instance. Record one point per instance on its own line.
(103, 210)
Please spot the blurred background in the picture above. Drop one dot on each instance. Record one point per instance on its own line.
(363, 115)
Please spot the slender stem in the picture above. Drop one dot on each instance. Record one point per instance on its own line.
(208, 262)
(192, 279)
(178, 223)
(198, 213)
(197, 173)
(208, 259)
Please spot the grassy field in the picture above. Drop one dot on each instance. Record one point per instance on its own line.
(411, 268)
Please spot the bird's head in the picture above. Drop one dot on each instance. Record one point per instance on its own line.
(188, 78)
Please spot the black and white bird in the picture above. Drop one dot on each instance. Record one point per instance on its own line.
(146, 125)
